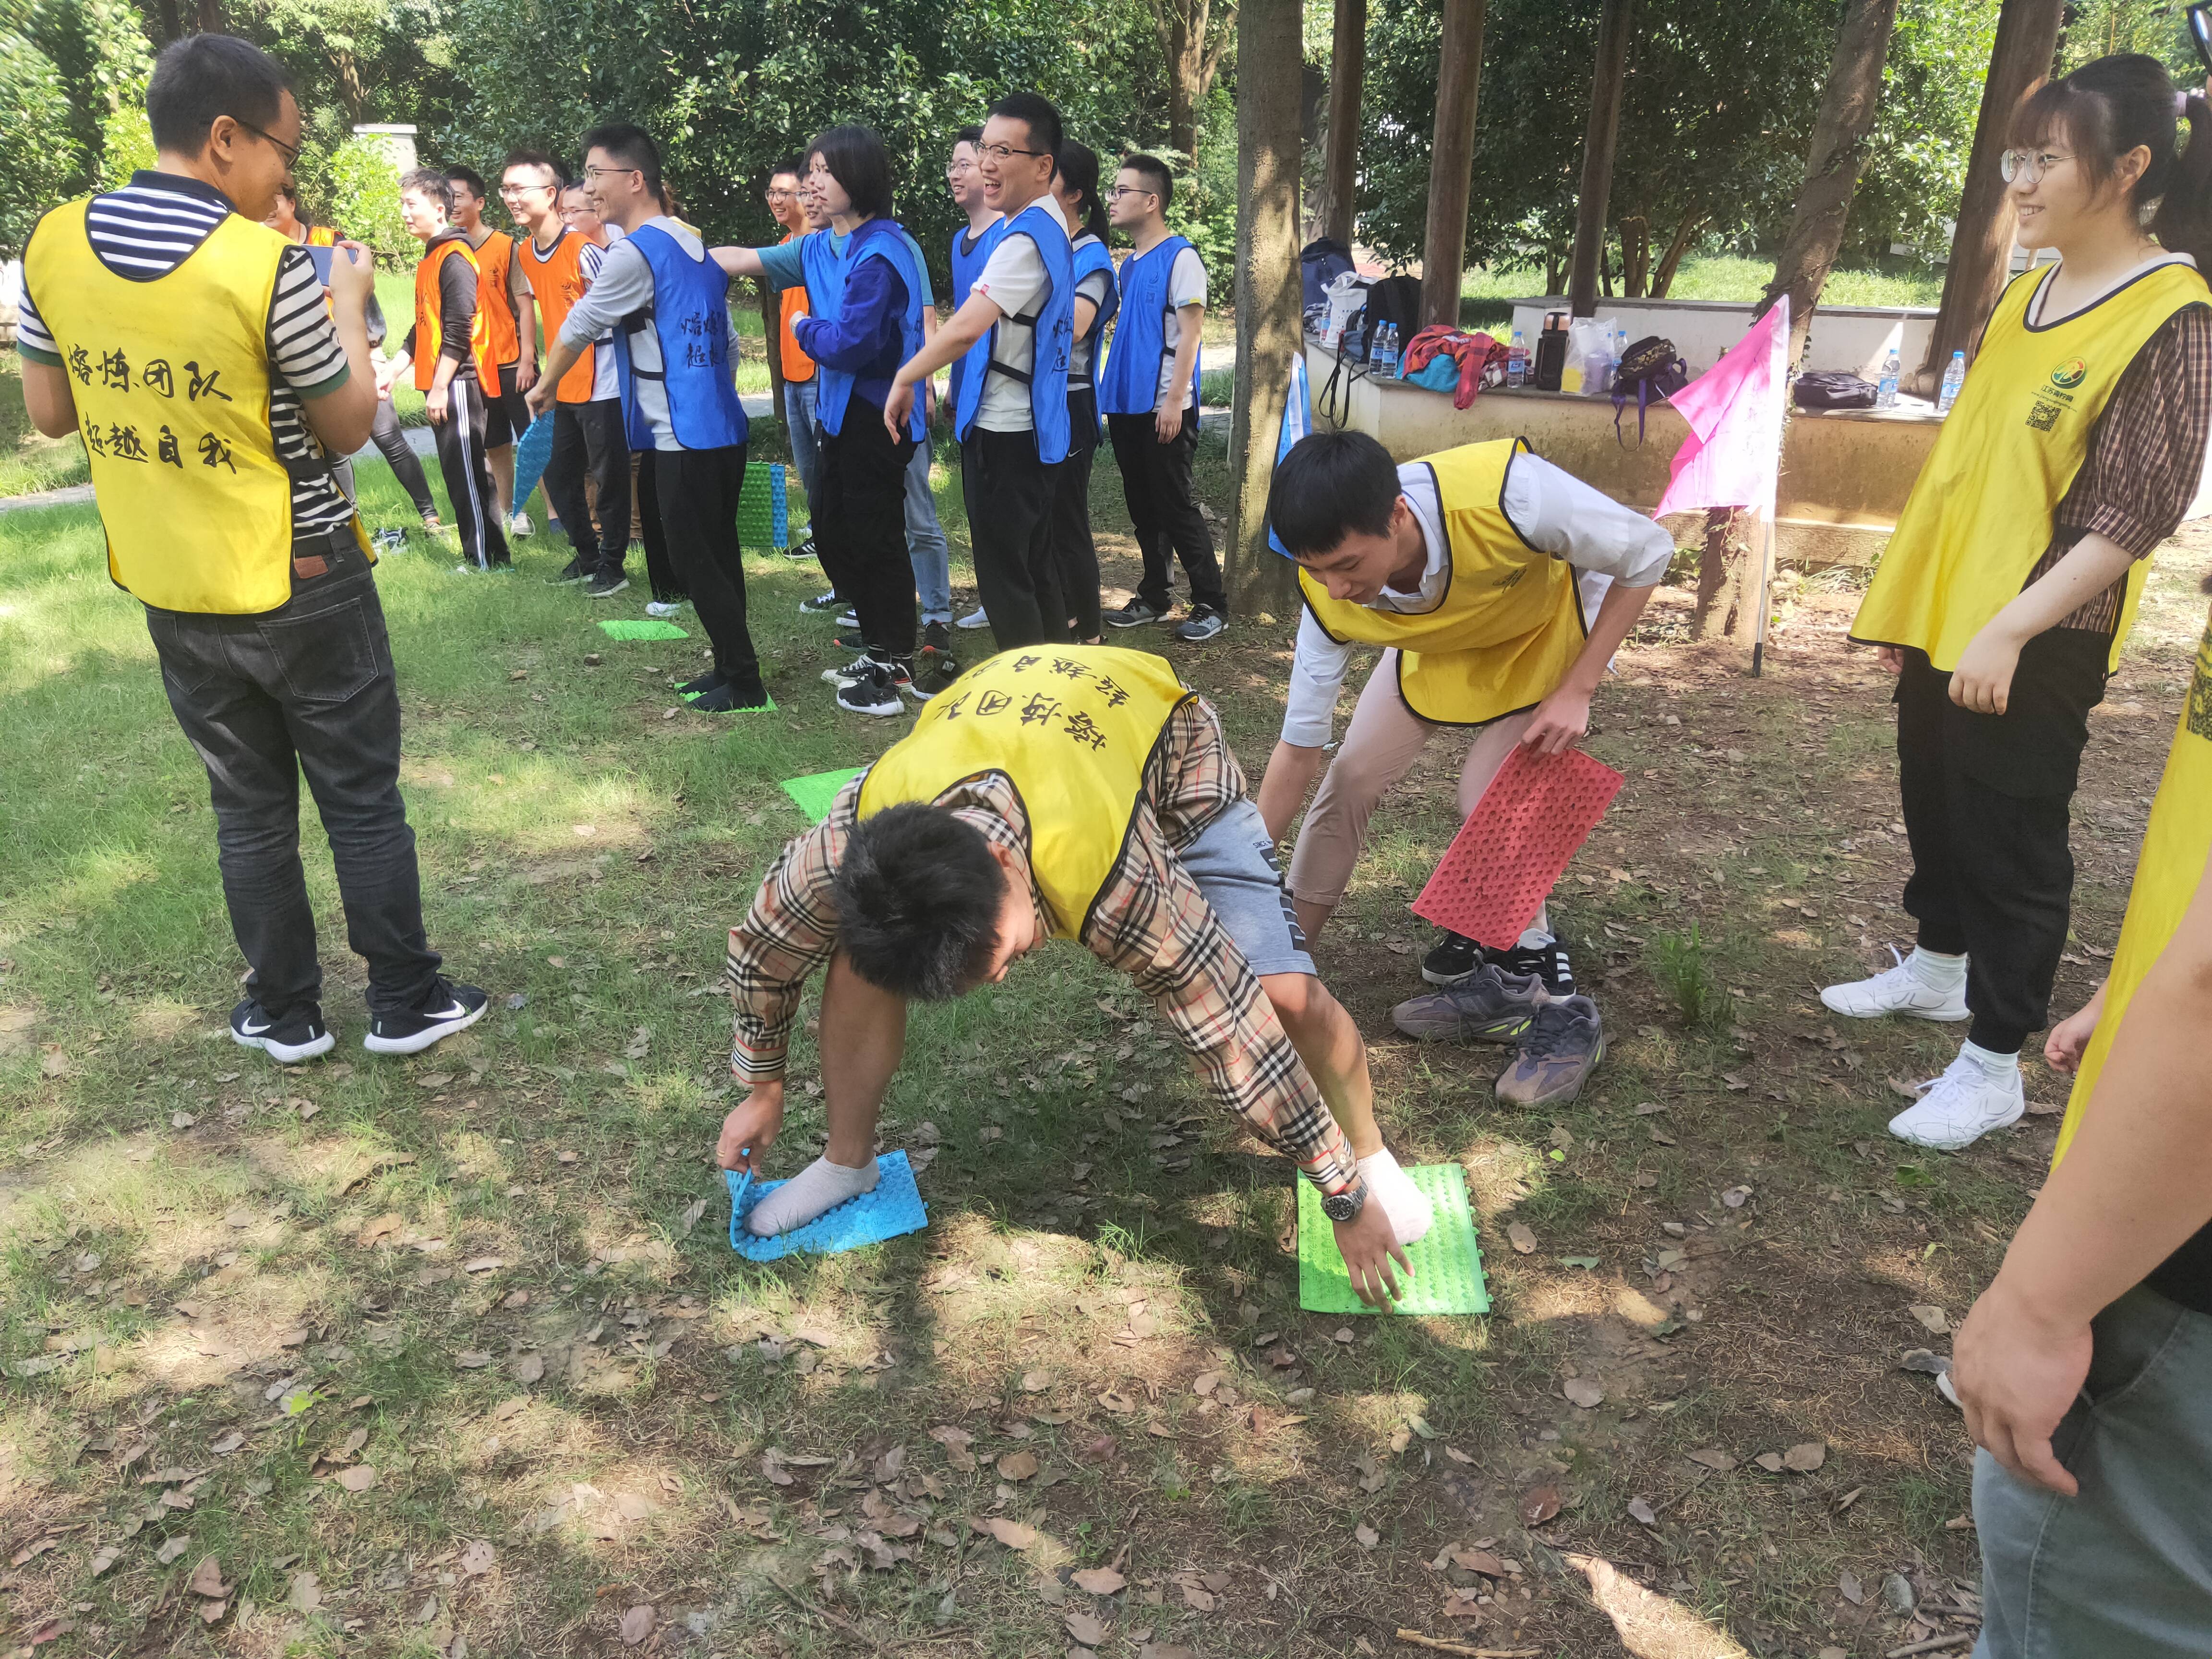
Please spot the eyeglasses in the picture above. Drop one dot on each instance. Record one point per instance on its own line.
(594, 173)
(522, 190)
(2020, 163)
(776, 195)
(954, 169)
(1006, 152)
(1118, 192)
(289, 152)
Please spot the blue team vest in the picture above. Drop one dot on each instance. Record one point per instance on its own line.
(827, 272)
(1090, 255)
(966, 267)
(690, 317)
(1129, 383)
(1054, 323)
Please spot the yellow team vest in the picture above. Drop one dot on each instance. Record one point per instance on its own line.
(2167, 871)
(1509, 624)
(1072, 728)
(1980, 516)
(171, 379)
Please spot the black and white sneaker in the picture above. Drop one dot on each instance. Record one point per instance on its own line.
(804, 551)
(448, 1008)
(849, 617)
(822, 604)
(1455, 957)
(606, 585)
(872, 693)
(573, 571)
(1547, 962)
(301, 1035)
(843, 676)
(1135, 614)
(1203, 623)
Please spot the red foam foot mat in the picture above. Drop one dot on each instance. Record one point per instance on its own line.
(1516, 844)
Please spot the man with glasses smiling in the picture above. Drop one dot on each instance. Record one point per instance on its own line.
(787, 208)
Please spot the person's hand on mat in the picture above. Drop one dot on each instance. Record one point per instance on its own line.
(1368, 1244)
(1891, 657)
(750, 1129)
(1168, 423)
(2018, 1371)
(897, 408)
(2070, 1038)
(1982, 680)
(1559, 721)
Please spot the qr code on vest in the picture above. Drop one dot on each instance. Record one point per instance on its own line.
(2042, 417)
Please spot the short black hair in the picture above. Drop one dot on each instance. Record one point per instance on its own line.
(969, 135)
(632, 146)
(918, 897)
(1039, 113)
(431, 183)
(795, 166)
(854, 156)
(472, 177)
(1331, 485)
(204, 76)
(1158, 175)
(536, 158)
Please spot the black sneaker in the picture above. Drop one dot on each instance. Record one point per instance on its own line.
(900, 671)
(1203, 623)
(804, 551)
(604, 587)
(301, 1035)
(448, 1008)
(731, 698)
(822, 604)
(1547, 962)
(1455, 957)
(712, 680)
(936, 644)
(1488, 1006)
(871, 693)
(848, 639)
(849, 617)
(1135, 614)
(575, 571)
(847, 673)
(1563, 1045)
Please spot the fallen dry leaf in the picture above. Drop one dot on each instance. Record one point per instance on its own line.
(1538, 1505)
(1808, 1457)
(1036, 1381)
(1770, 1462)
(383, 1230)
(307, 1593)
(1583, 1392)
(1018, 1466)
(1099, 1581)
(1198, 1598)
(1085, 1629)
(207, 1579)
(1714, 1458)
(1930, 1317)
(1367, 1537)
(1523, 1238)
(1013, 1534)
(359, 1477)
(479, 1557)
(637, 1624)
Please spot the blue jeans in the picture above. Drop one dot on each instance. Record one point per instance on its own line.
(925, 542)
(799, 397)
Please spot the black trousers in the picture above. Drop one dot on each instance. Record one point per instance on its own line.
(406, 466)
(461, 438)
(307, 687)
(1164, 511)
(660, 569)
(698, 491)
(1987, 803)
(859, 526)
(588, 439)
(1075, 554)
(1009, 502)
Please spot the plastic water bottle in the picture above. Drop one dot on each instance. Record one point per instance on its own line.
(1383, 357)
(1516, 361)
(1953, 378)
(1885, 395)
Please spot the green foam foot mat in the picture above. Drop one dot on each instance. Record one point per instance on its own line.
(1447, 1262)
(768, 708)
(815, 791)
(648, 627)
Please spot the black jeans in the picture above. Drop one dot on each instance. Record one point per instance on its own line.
(587, 438)
(859, 526)
(698, 491)
(1010, 499)
(1987, 801)
(1162, 510)
(460, 439)
(1075, 555)
(307, 687)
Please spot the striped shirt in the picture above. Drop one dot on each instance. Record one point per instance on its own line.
(147, 229)
(1149, 921)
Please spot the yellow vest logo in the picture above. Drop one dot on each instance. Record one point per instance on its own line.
(2070, 374)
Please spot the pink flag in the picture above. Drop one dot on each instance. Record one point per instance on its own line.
(1734, 413)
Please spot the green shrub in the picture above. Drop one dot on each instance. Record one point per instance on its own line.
(364, 198)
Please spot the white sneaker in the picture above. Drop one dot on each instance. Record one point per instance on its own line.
(1959, 1108)
(520, 525)
(974, 618)
(1898, 990)
(657, 608)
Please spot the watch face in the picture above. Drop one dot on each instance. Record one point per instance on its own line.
(1339, 1206)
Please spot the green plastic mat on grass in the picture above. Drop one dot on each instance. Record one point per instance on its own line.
(649, 628)
(815, 791)
(1447, 1263)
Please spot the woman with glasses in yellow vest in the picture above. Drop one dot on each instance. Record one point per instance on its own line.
(2016, 567)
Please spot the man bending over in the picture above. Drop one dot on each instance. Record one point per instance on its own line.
(1076, 792)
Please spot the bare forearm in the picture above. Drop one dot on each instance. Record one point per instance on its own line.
(1617, 616)
(48, 398)
(2091, 566)
(1185, 356)
(1290, 772)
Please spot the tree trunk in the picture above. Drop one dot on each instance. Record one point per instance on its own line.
(1191, 61)
(1451, 161)
(172, 24)
(2028, 35)
(1663, 277)
(1599, 138)
(210, 16)
(1269, 51)
(1555, 270)
(1720, 573)
(1848, 106)
(1334, 206)
(1635, 234)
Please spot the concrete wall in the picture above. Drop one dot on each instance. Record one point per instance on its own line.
(1850, 338)
(396, 140)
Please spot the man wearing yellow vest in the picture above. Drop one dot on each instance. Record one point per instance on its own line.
(2083, 1367)
(1500, 587)
(1076, 792)
(192, 349)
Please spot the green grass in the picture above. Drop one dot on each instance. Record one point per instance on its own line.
(29, 460)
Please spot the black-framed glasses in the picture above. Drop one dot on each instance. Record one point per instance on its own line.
(1118, 192)
(289, 152)
(1006, 152)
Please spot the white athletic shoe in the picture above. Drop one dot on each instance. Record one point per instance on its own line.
(974, 618)
(1959, 1108)
(520, 525)
(663, 608)
(1897, 990)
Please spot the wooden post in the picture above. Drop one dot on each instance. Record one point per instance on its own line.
(1335, 207)
(1451, 161)
(1599, 138)
(1981, 246)
(1269, 151)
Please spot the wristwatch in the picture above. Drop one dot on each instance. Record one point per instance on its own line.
(1345, 1206)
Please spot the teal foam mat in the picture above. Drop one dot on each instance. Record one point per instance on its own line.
(895, 1207)
(641, 628)
(815, 791)
(1447, 1263)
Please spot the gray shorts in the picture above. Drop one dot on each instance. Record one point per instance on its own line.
(1233, 862)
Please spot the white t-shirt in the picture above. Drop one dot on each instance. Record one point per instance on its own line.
(1185, 287)
(1093, 288)
(1553, 511)
(1014, 279)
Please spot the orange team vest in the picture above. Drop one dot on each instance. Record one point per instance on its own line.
(797, 365)
(428, 310)
(556, 277)
(501, 344)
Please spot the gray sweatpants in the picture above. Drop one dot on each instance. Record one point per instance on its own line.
(2125, 1568)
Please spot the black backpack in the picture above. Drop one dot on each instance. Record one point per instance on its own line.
(1651, 368)
(1396, 300)
(1832, 389)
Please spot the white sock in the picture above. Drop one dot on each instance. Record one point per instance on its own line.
(1936, 971)
(1411, 1213)
(817, 1189)
(1535, 939)
(1998, 1066)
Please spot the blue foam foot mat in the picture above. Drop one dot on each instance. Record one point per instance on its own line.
(895, 1207)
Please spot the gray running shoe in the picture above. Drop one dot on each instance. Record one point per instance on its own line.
(1559, 1051)
(1488, 1006)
